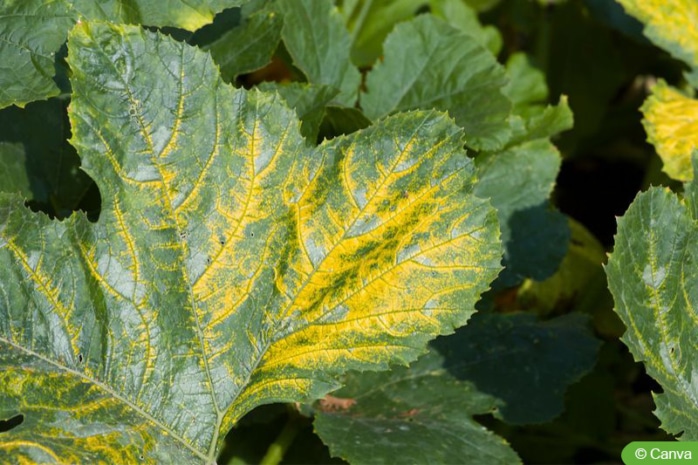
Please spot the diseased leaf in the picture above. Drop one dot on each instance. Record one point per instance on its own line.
(415, 74)
(416, 415)
(32, 31)
(319, 43)
(232, 264)
(652, 276)
(671, 24)
(38, 162)
(671, 122)
(544, 357)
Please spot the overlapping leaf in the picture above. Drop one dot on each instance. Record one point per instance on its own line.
(544, 357)
(32, 31)
(671, 24)
(319, 43)
(416, 415)
(231, 265)
(414, 75)
(248, 46)
(519, 181)
(652, 274)
(671, 122)
(37, 161)
(185, 14)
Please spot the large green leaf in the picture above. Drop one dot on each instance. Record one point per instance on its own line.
(232, 264)
(319, 43)
(652, 275)
(429, 63)
(416, 415)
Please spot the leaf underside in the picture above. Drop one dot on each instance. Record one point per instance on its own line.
(232, 264)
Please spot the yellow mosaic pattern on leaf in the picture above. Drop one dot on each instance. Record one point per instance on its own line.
(671, 122)
(232, 264)
(671, 24)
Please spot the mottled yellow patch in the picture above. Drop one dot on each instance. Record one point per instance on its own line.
(672, 24)
(671, 122)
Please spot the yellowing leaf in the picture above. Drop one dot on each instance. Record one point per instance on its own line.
(232, 265)
(671, 122)
(671, 24)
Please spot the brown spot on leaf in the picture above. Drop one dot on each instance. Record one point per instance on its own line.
(333, 404)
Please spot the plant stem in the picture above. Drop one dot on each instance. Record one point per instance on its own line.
(278, 448)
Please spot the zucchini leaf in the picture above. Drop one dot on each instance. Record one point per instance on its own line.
(416, 415)
(414, 74)
(32, 32)
(232, 264)
(654, 282)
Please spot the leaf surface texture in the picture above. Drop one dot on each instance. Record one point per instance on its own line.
(232, 264)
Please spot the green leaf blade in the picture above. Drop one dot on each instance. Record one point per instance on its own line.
(316, 38)
(32, 31)
(651, 276)
(414, 415)
(249, 46)
(430, 64)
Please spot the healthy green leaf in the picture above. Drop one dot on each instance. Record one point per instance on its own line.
(544, 357)
(416, 415)
(370, 21)
(458, 14)
(518, 182)
(249, 46)
(430, 64)
(37, 160)
(319, 43)
(232, 264)
(528, 91)
(31, 32)
(652, 276)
